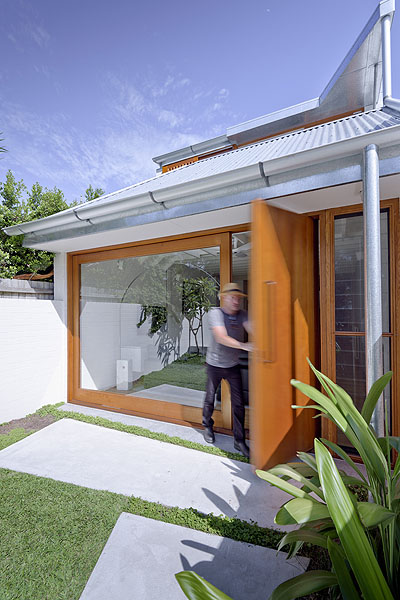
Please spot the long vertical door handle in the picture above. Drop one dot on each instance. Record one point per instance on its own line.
(269, 342)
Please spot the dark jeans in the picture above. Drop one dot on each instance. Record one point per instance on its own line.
(234, 378)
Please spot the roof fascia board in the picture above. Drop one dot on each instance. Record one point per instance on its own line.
(173, 212)
(347, 170)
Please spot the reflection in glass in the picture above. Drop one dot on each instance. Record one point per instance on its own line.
(241, 247)
(349, 273)
(351, 374)
(143, 324)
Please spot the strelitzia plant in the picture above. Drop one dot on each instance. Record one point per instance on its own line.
(362, 538)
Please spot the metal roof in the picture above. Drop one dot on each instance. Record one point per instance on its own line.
(266, 150)
(237, 171)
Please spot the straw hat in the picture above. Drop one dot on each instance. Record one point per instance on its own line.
(232, 288)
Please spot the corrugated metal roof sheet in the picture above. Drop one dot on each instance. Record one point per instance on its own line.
(284, 145)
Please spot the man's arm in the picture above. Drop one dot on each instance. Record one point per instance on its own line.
(247, 327)
(221, 336)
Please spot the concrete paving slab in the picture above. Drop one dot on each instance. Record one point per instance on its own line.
(142, 556)
(101, 458)
(225, 442)
(172, 393)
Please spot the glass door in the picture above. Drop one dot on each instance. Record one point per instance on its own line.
(342, 321)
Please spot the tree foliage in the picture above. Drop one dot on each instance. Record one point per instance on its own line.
(197, 297)
(20, 205)
(93, 193)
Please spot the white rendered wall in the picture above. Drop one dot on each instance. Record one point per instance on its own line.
(33, 351)
(32, 361)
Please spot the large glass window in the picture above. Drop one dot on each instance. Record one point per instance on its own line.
(144, 324)
(349, 306)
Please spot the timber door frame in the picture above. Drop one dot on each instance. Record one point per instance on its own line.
(327, 301)
(144, 407)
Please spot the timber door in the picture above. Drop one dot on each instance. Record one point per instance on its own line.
(282, 307)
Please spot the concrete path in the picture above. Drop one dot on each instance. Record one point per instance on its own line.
(142, 556)
(101, 458)
(225, 442)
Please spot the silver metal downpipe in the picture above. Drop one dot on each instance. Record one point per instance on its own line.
(388, 100)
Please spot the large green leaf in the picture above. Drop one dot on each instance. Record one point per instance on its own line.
(197, 588)
(356, 429)
(304, 535)
(346, 584)
(323, 401)
(372, 514)
(344, 456)
(395, 443)
(369, 448)
(331, 388)
(309, 459)
(284, 485)
(374, 394)
(306, 583)
(287, 471)
(332, 410)
(303, 469)
(314, 406)
(301, 510)
(350, 530)
(396, 470)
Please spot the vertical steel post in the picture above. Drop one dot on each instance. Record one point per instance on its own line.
(372, 271)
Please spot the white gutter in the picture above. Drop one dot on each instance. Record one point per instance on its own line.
(211, 186)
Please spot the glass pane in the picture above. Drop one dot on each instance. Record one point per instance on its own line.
(350, 371)
(241, 248)
(143, 324)
(349, 273)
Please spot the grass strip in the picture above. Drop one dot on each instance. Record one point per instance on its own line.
(15, 435)
(229, 527)
(53, 533)
(52, 409)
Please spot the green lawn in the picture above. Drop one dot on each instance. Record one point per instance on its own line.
(52, 534)
(186, 372)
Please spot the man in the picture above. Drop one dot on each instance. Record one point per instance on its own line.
(228, 325)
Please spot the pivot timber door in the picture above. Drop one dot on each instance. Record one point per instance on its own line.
(283, 315)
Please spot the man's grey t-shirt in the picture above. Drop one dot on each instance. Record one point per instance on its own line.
(219, 355)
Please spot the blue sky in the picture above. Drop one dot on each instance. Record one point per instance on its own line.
(91, 90)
